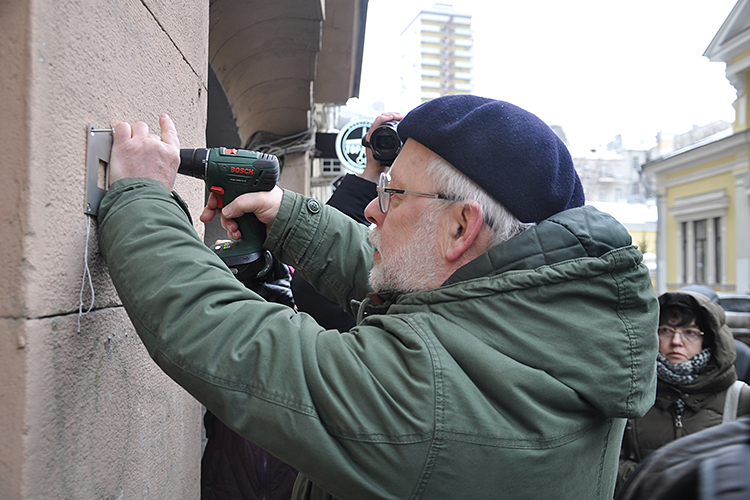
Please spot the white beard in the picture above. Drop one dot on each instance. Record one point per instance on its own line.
(413, 265)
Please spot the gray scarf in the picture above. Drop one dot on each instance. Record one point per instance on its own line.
(682, 373)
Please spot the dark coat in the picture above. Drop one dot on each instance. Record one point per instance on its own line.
(711, 464)
(234, 468)
(704, 398)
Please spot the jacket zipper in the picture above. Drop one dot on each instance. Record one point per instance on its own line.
(265, 480)
(678, 421)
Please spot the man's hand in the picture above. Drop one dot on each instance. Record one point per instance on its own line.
(265, 205)
(136, 153)
(373, 169)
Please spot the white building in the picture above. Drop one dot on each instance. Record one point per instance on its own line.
(437, 55)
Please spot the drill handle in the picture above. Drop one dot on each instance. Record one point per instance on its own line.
(253, 231)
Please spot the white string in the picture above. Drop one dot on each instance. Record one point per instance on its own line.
(86, 272)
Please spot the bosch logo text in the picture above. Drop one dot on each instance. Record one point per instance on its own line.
(241, 170)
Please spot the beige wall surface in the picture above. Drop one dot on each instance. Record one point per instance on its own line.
(13, 132)
(87, 414)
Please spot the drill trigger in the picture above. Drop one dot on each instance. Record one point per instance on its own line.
(219, 192)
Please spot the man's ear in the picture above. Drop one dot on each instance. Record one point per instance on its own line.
(465, 224)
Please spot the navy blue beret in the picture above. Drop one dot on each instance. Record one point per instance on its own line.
(508, 151)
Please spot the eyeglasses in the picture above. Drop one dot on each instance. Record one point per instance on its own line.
(385, 192)
(688, 334)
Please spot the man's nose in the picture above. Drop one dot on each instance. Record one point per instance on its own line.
(373, 213)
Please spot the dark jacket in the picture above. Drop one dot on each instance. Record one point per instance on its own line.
(704, 398)
(233, 468)
(713, 464)
(515, 376)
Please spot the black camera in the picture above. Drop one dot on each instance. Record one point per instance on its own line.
(384, 143)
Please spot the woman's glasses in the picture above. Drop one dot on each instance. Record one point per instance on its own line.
(688, 334)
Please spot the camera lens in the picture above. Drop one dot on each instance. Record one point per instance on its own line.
(385, 143)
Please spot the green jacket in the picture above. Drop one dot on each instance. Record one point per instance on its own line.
(704, 398)
(512, 380)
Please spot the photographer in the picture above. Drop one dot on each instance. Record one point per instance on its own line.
(503, 337)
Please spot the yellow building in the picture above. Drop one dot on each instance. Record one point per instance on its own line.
(704, 189)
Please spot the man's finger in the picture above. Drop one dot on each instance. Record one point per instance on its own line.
(213, 201)
(384, 117)
(244, 204)
(264, 204)
(140, 129)
(168, 131)
(210, 210)
(122, 132)
(208, 214)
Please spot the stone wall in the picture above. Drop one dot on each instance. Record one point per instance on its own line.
(87, 414)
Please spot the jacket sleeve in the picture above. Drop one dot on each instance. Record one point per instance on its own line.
(330, 249)
(350, 198)
(339, 407)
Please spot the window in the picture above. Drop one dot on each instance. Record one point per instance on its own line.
(684, 251)
(700, 224)
(331, 166)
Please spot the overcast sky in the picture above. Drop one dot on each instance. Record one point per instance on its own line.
(595, 67)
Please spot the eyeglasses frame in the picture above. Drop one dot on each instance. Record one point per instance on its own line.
(385, 192)
(681, 331)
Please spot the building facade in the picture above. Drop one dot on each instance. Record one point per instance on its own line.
(437, 55)
(704, 188)
(613, 175)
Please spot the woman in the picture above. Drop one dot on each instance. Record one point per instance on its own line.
(695, 370)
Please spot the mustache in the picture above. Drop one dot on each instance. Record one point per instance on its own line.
(374, 238)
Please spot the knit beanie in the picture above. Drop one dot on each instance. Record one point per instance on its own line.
(509, 152)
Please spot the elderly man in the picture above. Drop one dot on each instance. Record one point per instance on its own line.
(504, 335)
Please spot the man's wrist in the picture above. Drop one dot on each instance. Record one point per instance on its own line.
(372, 172)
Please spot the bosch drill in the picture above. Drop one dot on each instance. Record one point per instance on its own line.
(230, 173)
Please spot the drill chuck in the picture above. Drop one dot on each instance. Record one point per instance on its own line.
(194, 162)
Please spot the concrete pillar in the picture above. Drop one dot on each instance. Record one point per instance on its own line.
(661, 245)
(690, 253)
(86, 414)
(296, 173)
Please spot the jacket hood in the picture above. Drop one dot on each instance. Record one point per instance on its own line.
(570, 298)
(720, 372)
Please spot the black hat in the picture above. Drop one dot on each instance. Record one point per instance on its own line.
(509, 152)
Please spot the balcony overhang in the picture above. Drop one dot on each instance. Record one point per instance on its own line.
(275, 59)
